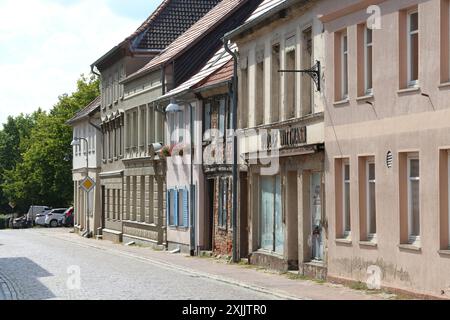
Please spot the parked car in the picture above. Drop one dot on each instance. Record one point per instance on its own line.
(33, 211)
(21, 223)
(55, 218)
(68, 218)
(40, 218)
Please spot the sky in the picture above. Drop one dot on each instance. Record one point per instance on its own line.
(45, 45)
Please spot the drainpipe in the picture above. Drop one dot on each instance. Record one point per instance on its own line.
(236, 257)
(94, 72)
(191, 192)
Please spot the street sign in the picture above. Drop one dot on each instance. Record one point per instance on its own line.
(12, 205)
(88, 184)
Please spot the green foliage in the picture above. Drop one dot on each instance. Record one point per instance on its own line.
(32, 156)
(4, 221)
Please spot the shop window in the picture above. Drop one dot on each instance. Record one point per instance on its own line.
(271, 220)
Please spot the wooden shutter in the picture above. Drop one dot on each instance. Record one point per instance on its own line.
(185, 208)
(175, 208)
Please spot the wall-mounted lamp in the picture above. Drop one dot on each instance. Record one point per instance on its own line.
(173, 107)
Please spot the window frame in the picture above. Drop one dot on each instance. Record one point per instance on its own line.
(412, 83)
(448, 199)
(346, 233)
(412, 239)
(368, 89)
(344, 62)
(370, 236)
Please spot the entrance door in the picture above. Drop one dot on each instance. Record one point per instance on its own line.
(271, 227)
(209, 215)
(316, 216)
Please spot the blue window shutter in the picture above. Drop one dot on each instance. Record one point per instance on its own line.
(176, 208)
(185, 208)
(168, 207)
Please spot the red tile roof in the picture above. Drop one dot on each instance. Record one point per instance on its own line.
(224, 74)
(213, 18)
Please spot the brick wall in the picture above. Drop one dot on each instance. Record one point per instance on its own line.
(223, 237)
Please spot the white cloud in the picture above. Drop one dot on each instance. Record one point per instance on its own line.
(45, 46)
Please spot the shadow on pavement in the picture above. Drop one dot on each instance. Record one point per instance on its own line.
(20, 276)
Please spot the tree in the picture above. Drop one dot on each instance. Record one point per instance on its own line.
(41, 176)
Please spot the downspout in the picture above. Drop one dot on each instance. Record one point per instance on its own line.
(236, 257)
(94, 72)
(191, 191)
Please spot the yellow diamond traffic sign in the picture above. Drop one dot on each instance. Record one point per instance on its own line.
(88, 184)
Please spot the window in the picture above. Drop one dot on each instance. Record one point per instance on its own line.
(142, 193)
(291, 78)
(413, 198)
(271, 220)
(135, 130)
(371, 200)
(346, 199)
(275, 84)
(368, 60)
(307, 62)
(207, 122)
(143, 127)
(260, 93)
(178, 207)
(413, 48)
(448, 200)
(344, 66)
(243, 97)
(172, 205)
(223, 203)
(222, 116)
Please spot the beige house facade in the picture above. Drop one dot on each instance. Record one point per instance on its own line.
(281, 121)
(387, 143)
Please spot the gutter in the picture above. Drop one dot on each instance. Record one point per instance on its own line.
(277, 9)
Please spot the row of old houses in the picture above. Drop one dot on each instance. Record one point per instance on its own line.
(301, 135)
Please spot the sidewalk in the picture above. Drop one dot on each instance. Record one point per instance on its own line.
(241, 275)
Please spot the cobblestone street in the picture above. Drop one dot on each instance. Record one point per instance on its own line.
(36, 265)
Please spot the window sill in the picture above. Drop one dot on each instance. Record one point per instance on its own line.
(410, 247)
(175, 228)
(371, 244)
(364, 98)
(444, 85)
(408, 90)
(344, 241)
(341, 102)
(444, 252)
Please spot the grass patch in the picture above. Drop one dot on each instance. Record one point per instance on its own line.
(358, 286)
